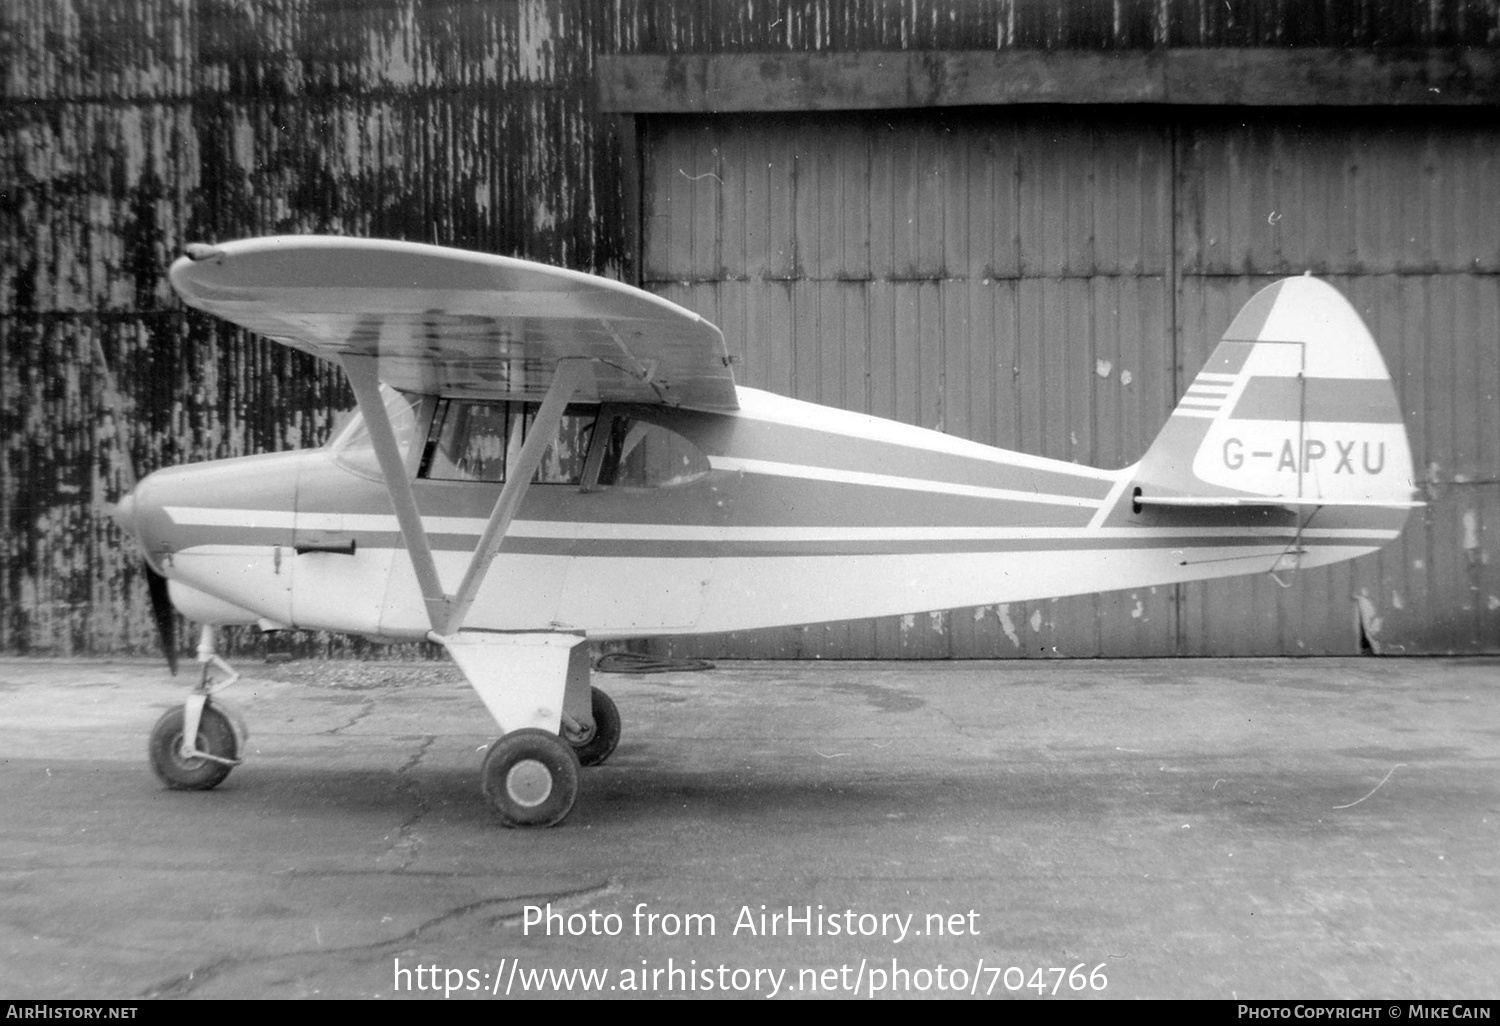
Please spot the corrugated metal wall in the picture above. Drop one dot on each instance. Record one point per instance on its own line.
(1401, 213)
(1050, 281)
(130, 127)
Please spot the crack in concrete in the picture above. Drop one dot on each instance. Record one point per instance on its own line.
(954, 723)
(186, 984)
(598, 890)
(564, 901)
(365, 710)
(411, 764)
(408, 843)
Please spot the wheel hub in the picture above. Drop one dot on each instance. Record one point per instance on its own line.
(528, 783)
(187, 757)
(578, 734)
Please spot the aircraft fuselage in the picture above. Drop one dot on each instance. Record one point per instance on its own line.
(786, 513)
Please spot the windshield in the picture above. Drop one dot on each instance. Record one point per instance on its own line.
(352, 447)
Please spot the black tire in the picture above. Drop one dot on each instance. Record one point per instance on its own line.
(215, 736)
(530, 778)
(597, 745)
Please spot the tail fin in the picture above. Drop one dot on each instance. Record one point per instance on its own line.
(1294, 408)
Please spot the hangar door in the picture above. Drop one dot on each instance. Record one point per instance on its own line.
(1049, 281)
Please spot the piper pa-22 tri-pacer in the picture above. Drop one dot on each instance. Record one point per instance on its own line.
(542, 457)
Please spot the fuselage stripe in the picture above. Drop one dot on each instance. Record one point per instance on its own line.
(677, 549)
(855, 477)
(472, 527)
(833, 426)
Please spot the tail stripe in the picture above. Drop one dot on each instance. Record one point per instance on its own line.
(1341, 400)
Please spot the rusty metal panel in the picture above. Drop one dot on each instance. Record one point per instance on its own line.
(131, 128)
(744, 83)
(693, 26)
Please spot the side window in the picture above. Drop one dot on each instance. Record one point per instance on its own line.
(563, 462)
(476, 441)
(640, 454)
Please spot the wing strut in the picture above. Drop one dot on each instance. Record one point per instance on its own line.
(363, 378)
(447, 612)
(569, 376)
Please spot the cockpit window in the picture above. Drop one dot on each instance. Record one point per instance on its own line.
(595, 447)
(352, 447)
(476, 441)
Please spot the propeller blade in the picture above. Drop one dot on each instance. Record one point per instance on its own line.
(166, 617)
(156, 584)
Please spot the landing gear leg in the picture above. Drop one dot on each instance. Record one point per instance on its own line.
(590, 721)
(194, 747)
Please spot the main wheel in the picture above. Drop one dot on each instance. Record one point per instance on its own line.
(215, 736)
(596, 744)
(530, 778)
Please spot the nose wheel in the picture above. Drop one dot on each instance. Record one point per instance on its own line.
(194, 746)
(201, 765)
(530, 778)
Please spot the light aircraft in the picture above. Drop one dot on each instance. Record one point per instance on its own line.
(542, 457)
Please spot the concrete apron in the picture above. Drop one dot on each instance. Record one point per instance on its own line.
(1234, 829)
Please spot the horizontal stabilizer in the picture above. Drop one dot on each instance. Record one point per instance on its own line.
(1265, 502)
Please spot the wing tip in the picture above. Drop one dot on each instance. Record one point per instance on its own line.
(200, 251)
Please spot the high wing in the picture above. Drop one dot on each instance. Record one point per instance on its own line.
(444, 321)
(449, 322)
